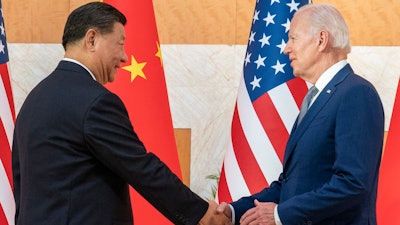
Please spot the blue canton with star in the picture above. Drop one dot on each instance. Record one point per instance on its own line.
(3, 43)
(265, 65)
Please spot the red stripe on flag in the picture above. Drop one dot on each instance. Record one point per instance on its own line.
(5, 153)
(223, 191)
(251, 171)
(3, 219)
(298, 88)
(388, 199)
(7, 86)
(272, 123)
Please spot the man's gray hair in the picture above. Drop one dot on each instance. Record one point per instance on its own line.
(326, 17)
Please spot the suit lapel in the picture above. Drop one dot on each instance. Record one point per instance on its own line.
(315, 108)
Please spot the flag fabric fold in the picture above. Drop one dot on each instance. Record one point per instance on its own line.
(268, 102)
(141, 86)
(7, 120)
(388, 199)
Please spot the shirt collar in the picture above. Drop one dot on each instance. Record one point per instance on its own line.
(79, 63)
(328, 75)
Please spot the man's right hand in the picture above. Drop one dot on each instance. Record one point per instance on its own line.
(212, 217)
(224, 208)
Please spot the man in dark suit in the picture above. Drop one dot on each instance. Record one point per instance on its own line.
(332, 157)
(74, 148)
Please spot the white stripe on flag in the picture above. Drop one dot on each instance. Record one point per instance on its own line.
(234, 178)
(6, 196)
(285, 104)
(258, 140)
(5, 113)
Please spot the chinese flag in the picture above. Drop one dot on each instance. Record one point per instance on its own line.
(388, 200)
(141, 86)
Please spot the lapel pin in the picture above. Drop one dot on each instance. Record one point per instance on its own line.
(328, 91)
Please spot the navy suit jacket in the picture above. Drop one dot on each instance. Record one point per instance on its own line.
(75, 152)
(332, 159)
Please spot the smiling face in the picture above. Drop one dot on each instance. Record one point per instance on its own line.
(109, 54)
(302, 48)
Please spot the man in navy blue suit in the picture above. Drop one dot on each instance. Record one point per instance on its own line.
(332, 157)
(75, 152)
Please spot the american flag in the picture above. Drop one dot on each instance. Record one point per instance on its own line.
(7, 118)
(268, 103)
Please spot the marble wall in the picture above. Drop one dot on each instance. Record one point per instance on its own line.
(202, 82)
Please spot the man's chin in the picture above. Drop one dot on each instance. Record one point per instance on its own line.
(111, 79)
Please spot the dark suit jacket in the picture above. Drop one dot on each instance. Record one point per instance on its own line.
(332, 159)
(75, 152)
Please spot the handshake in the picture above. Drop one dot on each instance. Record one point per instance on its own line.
(261, 213)
(217, 215)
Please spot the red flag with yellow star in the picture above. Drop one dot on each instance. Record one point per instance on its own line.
(141, 86)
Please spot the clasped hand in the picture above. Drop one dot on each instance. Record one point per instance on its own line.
(212, 217)
(261, 214)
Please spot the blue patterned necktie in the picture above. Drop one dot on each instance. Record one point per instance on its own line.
(306, 102)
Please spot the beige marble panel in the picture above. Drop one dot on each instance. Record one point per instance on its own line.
(29, 64)
(202, 83)
(381, 66)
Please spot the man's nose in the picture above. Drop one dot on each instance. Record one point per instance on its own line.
(124, 58)
(286, 50)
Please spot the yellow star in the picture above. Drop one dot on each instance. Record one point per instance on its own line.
(158, 54)
(135, 68)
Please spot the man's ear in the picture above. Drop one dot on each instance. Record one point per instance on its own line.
(90, 39)
(323, 39)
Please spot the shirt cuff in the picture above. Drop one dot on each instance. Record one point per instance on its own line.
(276, 216)
(233, 213)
